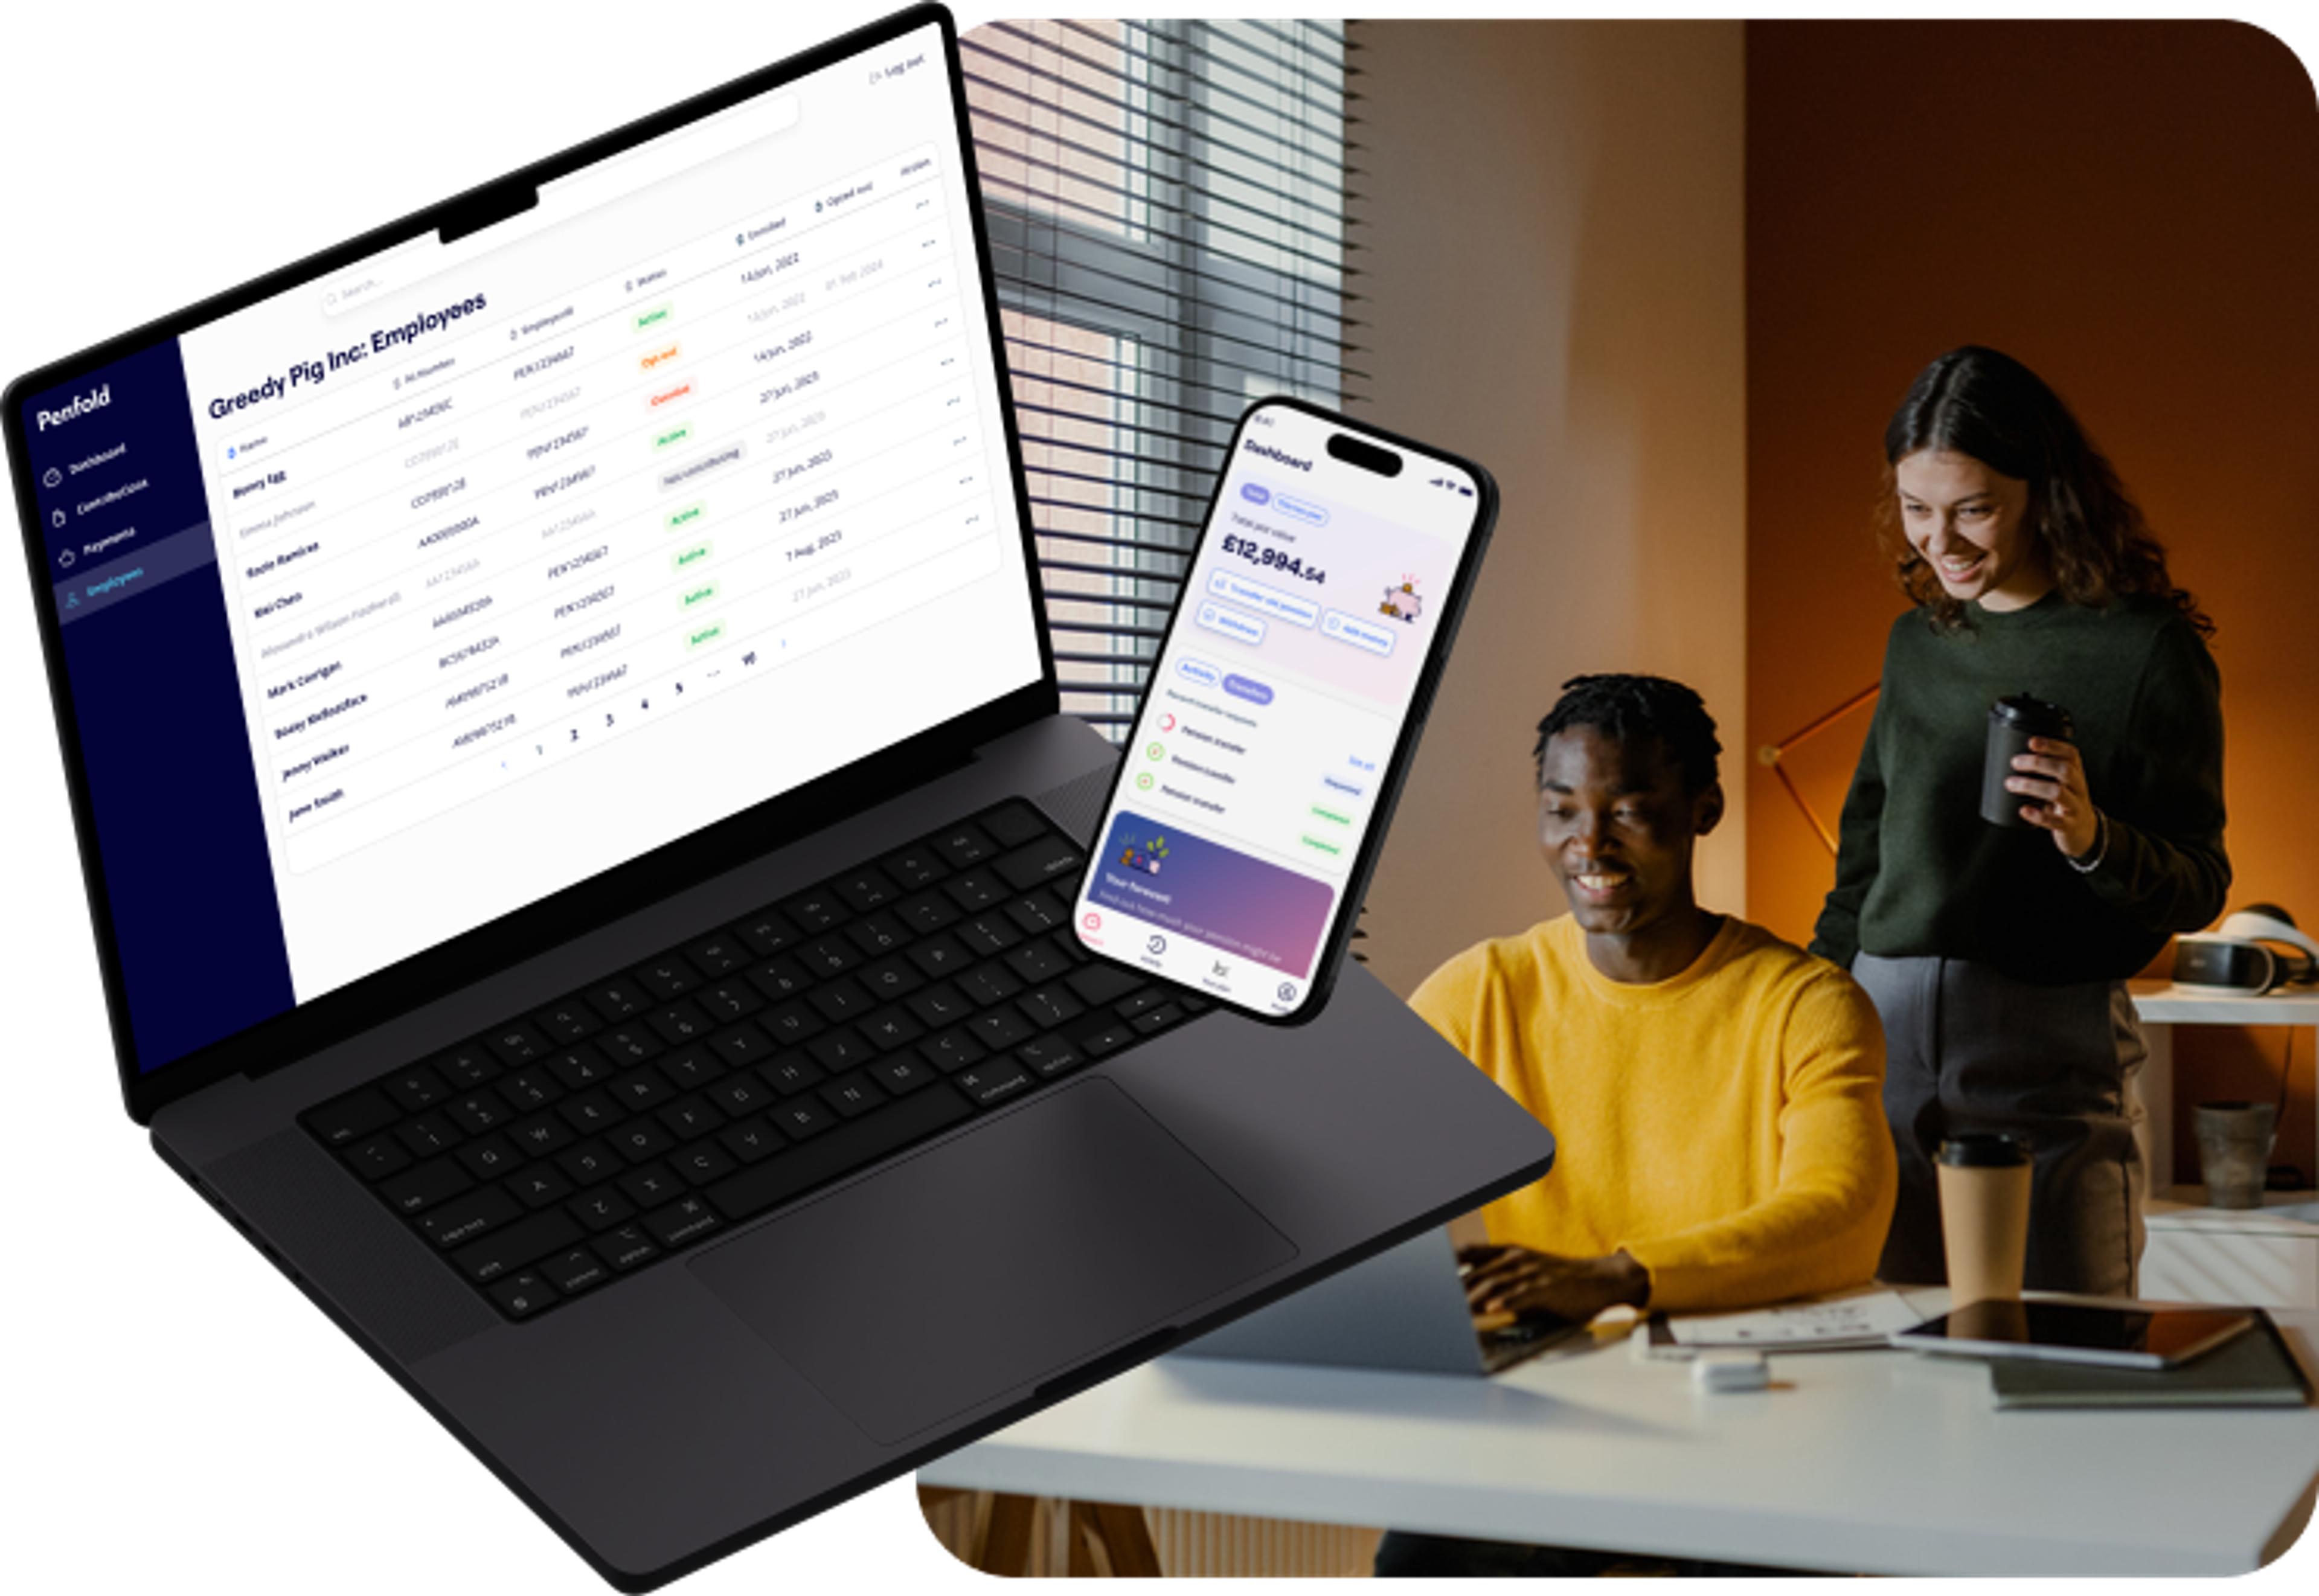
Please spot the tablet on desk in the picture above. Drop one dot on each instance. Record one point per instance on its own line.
(2074, 1332)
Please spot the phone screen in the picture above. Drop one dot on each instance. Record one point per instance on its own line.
(1326, 580)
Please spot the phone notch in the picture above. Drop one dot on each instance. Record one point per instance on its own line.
(1368, 456)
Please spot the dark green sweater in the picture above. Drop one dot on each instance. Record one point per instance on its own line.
(1919, 872)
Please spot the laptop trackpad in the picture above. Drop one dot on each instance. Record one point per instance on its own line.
(995, 1261)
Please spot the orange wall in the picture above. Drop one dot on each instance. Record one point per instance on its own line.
(2132, 209)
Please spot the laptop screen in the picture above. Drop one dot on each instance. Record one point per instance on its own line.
(466, 570)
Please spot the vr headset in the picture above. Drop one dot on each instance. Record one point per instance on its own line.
(2256, 950)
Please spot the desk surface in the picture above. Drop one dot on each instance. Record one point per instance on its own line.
(1880, 1461)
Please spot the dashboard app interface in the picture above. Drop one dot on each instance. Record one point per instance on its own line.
(1253, 772)
(413, 594)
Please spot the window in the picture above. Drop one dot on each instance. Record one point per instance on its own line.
(1166, 208)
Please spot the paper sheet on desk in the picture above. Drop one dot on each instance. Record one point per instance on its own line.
(1867, 1318)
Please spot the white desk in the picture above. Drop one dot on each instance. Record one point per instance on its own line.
(1884, 1462)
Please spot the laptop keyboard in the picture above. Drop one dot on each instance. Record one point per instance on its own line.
(667, 1103)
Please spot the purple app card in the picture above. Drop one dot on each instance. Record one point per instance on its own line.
(1190, 887)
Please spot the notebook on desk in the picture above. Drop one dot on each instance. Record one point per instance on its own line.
(576, 818)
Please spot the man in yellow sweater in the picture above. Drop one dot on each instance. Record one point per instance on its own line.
(1715, 1092)
(1716, 1095)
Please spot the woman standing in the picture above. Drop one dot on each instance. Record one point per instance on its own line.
(1998, 955)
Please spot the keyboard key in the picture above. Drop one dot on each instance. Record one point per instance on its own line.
(629, 1044)
(1039, 961)
(1050, 1006)
(422, 1188)
(889, 978)
(668, 977)
(728, 1001)
(939, 1005)
(528, 1089)
(915, 866)
(939, 956)
(718, 955)
(780, 979)
(994, 1082)
(814, 910)
(1037, 913)
(976, 890)
(618, 1000)
(705, 1161)
(640, 1142)
(626, 1248)
(541, 1133)
(464, 1217)
(891, 1028)
(1000, 1029)
(568, 1021)
(766, 933)
(739, 1046)
(991, 983)
(377, 1158)
(878, 933)
(518, 1044)
(466, 1066)
(840, 1051)
(689, 1069)
(489, 1157)
(845, 1148)
(952, 1050)
(791, 1074)
(829, 955)
(985, 935)
(600, 1210)
(843, 999)
(681, 1022)
(865, 889)
(1141, 1002)
(591, 1111)
(1054, 857)
(802, 1117)
(903, 1073)
(571, 1273)
(750, 1140)
(691, 1117)
(1014, 825)
(519, 1296)
(641, 1089)
(854, 1095)
(539, 1185)
(1159, 1019)
(741, 1095)
(428, 1134)
(682, 1221)
(579, 1068)
(1051, 1055)
(1109, 1040)
(928, 912)
(507, 1248)
(416, 1089)
(651, 1185)
(962, 846)
(589, 1162)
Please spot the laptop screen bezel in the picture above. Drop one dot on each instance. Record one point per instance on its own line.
(334, 1017)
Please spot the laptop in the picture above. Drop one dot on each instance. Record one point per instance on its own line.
(574, 810)
(1404, 1310)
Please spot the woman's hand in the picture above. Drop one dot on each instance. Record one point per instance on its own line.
(2053, 775)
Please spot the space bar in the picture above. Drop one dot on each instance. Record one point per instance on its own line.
(834, 1152)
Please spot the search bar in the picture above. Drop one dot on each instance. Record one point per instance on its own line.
(408, 265)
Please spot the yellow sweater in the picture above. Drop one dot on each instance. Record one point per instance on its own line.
(1724, 1127)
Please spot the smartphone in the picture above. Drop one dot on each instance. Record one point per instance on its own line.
(1283, 708)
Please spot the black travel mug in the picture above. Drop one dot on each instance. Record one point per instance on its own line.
(2012, 722)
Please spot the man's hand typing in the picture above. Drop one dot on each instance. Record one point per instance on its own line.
(1517, 1280)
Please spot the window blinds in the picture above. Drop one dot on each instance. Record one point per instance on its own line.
(1165, 203)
